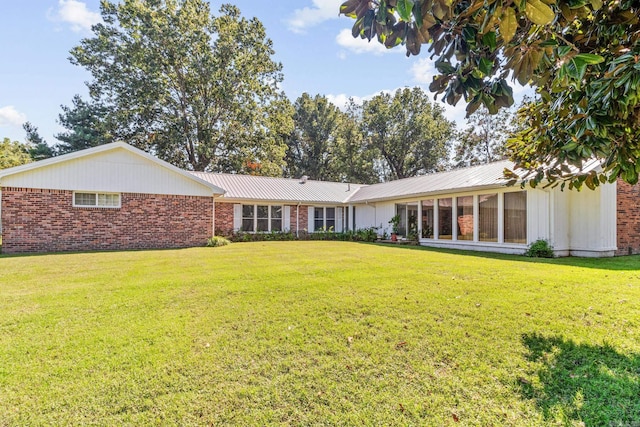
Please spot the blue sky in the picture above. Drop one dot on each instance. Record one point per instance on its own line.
(313, 43)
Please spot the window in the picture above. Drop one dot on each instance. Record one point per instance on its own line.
(276, 218)
(515, 217)
(488, 217)
(247, 217)
(318, 219)
(445, 218)
(96, 200)
(465, 217)
(330, 223)
(261, 218)
(427, 219)
(324, 219)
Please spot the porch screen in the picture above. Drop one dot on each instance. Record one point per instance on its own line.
(488, 217)
(515, 217)
(465, 217)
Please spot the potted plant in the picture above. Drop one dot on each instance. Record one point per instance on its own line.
(394, 221)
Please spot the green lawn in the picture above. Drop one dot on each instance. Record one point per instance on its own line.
(318, 333)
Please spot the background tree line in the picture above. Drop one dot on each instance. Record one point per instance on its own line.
(201, 91)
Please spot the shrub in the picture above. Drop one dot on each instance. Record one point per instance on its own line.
(540, 249)
(216, 241)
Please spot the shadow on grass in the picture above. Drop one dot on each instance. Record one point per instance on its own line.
(576, 383)
(630, 262)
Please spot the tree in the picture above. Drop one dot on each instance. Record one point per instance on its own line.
(583, 57)
(312, 147)
(38, 147)
(13, 153)
(86, 124)
(191, 87)
(355, 160)
(410, 133)
(485, 138)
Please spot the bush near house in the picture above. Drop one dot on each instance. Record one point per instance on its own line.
(540, 249)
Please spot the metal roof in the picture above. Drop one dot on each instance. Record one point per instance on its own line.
(475, 177)
(249, 187)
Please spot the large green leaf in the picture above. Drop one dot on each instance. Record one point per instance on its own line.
(508, 24)
(404, 9)
(539, 13)
(589, 58)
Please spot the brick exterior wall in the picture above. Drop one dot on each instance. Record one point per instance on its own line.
(35, 220)
(628, 218)
(302, 214)
(224, 219)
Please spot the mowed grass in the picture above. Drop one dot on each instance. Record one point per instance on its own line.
(318, 333)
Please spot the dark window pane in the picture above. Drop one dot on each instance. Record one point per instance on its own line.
(445, 218)
(263, 211)
(276, 225)
(318, 213)
(247, 224)
(247, 211)
(276, 211)
(427, 219)
(263, 224)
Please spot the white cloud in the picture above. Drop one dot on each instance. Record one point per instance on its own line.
(307, 17)
(9, 116)
(358, 45)
(423, 71)
(76, 14)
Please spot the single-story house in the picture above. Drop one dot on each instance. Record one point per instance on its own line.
(118, 197)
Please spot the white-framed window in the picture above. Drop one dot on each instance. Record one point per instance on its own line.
(262, 218)
(96, 200)
(324, 219)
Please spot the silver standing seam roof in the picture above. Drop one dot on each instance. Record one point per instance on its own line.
(248, 187)
(471, 178)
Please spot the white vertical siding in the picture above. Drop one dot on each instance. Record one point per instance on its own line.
(310, 223)
(118, 171)
(365, 216)
(237, 217)
(560, 224)
(593, 221)
(384, 213)
(608, 216)
(537, 215)
(286, 218)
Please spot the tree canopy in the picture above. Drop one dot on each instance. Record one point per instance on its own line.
(13, 153)
(191, 87)
(410, 133)
(86, 124)
(484, 139)
(583, 56)
(37, 146)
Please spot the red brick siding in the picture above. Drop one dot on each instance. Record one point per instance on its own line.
(302, 213)
(224, 219)
(628, 218)
(35, 220)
